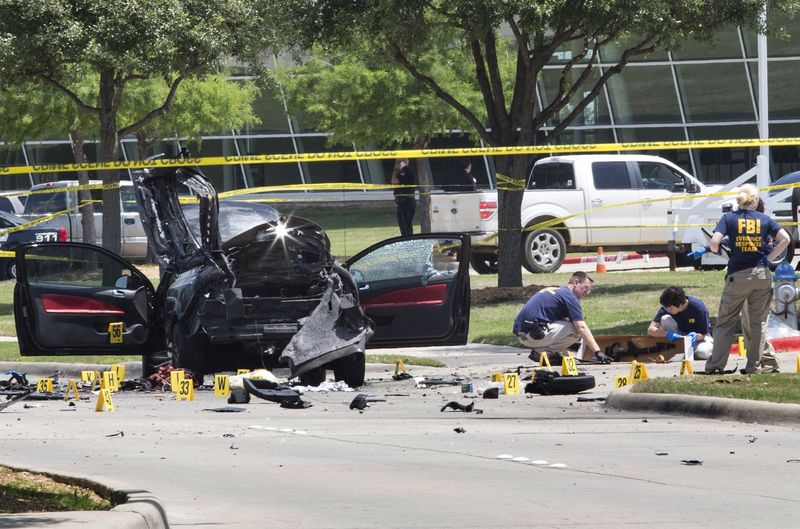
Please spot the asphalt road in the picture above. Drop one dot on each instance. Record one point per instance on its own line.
(400, 464)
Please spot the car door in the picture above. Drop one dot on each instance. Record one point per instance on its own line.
(662, 189)
(615, 214)
(75, 298)
(415, 289)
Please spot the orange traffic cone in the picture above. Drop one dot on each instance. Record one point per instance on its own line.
(601, 261)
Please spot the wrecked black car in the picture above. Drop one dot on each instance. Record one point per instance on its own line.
(262, 293)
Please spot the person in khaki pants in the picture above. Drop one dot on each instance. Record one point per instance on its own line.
(748, 280)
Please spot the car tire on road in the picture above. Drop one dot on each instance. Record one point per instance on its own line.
(546, 382)
(350, 369)
(543, 251)
(188, 352)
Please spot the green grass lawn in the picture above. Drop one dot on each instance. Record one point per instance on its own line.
(620, 303)
(779, 387)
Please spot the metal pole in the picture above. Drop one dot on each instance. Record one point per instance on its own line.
(763, 178)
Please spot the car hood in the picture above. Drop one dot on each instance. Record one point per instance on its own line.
(286, 251)
(168, 232)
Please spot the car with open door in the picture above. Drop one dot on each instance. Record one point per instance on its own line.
(270, 295)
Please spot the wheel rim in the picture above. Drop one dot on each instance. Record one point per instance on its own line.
(12, 271)
(545, 250)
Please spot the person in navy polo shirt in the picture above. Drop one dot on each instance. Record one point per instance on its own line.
(748, 279)
(681, 315)
(552, 320)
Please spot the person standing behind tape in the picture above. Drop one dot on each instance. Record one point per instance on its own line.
(748, 278)
(552, 320)
(404, 198)
(681, 315)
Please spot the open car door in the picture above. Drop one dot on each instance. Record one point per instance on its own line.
(415, 289)
(79, 299)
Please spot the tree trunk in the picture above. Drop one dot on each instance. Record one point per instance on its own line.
(425, 182)
(84, 196)
(509, 256)
(109, 148)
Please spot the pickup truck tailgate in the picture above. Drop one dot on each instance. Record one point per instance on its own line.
(458, 212)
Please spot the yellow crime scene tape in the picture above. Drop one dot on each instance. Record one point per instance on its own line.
(504, 183)
(410, 153)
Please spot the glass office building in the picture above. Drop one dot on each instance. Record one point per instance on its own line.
(699, 92)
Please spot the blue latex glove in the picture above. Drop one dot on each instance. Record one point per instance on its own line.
(693, 336)
(673, 336)
(697, 254)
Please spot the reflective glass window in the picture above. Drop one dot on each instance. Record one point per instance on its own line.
(269, 109)
(442, 167)
(585, 136)
(679, 157)
(783, 100)
(715, 92)
(224, 177)
(327, 171)
(611, 175)
(45, 153)
(613, 51)
(725, 45)
(269, 174)
(717, 166)
(10, 157)
(777, 46)
(552, 176)
(596, 112)
(784, 159)
(644, 94)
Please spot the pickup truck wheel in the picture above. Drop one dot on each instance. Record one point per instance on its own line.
(188, 352)
(484, 264)
(543, 251)
(11, 269)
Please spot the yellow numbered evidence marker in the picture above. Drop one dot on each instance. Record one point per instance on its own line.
(222, 386)
(185, 389)
(510, 383)
(104, 402)
(115, 332)
(72, 389)
(621, 381)
(686, 368)
(110, 381)
(242, 371)
(175, 376)
(638, 372)
(119, 369)
(497, 376)
(44, 385)
(88, 376)
(544, 360)
(568, 367)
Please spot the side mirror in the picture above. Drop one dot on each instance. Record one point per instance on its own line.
(692, 186)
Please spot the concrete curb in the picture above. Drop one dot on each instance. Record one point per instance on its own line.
(69, 370)
(712, 407)
(136, 508)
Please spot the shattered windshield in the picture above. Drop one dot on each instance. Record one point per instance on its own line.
(429, 258)
(234, 217)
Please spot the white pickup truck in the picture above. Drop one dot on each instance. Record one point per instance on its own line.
(64, 198)
(612, 190)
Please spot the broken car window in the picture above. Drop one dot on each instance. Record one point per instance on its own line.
(429, 258)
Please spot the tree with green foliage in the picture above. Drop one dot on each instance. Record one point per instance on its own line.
(118, 42)
(201, 106)
(362, 99)
(30, 111)
(487, 31)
